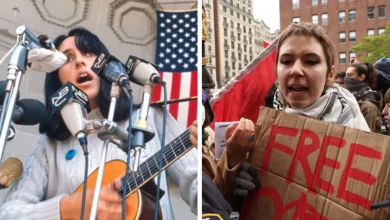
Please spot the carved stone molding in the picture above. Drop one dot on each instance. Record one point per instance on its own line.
(64, 13)
(7, 39)
(133, 22)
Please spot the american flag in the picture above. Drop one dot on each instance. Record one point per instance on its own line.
(176, 59)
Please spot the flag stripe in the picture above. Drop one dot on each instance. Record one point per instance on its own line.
(184, 92)
(168, 81)
(193, 105)
(175, 93)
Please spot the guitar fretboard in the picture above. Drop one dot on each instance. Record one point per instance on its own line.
(148, 169)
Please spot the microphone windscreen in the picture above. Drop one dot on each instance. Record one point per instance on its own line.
(3, 83)
(34, 112)
(10, 171)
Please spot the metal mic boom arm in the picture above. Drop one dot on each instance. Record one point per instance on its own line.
(17, 66)
(141, 133)
(114, 94)
(106, 126)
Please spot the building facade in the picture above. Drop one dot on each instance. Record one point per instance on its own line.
(262, 33)
(346, 21)
(240, 36)
(209, 45)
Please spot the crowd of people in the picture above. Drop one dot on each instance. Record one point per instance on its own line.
(307, 84)
(367, 83)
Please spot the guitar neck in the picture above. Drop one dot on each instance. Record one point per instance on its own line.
(149, 169)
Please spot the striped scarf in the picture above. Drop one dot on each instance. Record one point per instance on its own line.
(337, 105)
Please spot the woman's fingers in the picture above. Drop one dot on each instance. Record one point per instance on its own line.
(229, 130)
(194, 141)
(238, 132)
(194, 130)
(110, 202)
(251, 125)
(248, 132)
(194, 133)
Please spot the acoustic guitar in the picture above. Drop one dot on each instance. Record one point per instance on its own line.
(140, 204)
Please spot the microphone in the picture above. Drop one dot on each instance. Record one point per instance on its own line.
(138, 70)
(11, 133)
(10, 170)
(29, 112)
(72, 103)
(111, 69)
(141, 71)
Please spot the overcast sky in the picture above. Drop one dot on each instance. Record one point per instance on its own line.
(267, 10)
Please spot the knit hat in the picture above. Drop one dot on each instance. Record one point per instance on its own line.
(383, 64)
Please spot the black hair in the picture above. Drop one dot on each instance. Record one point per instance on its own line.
(86, 42)
(340, 75)
(269, 98)
(368, 70)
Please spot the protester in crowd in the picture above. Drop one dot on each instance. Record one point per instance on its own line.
(386, 109)
(339, 79)
(55, 167)
(269, 98)
(382, 67)
(305, 70)
(360, 79)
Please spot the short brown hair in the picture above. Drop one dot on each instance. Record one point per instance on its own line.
(386, 98)
(310, 30)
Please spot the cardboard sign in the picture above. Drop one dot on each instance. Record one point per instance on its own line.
(310, 169)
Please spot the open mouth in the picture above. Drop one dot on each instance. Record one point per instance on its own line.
(83, 78)
(298, 89)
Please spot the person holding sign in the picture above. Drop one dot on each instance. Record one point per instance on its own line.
(305, 70)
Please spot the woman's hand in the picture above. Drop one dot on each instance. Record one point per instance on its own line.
(194, 133)
(109, 206)
(240, 138)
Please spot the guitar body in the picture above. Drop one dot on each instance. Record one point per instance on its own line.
(139, 205)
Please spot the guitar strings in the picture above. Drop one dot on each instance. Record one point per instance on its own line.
(151, 166)
(147, 168)
(133, 183)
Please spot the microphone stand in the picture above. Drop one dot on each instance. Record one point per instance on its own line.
(115, 91)
(16, 68)
(141, 133)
